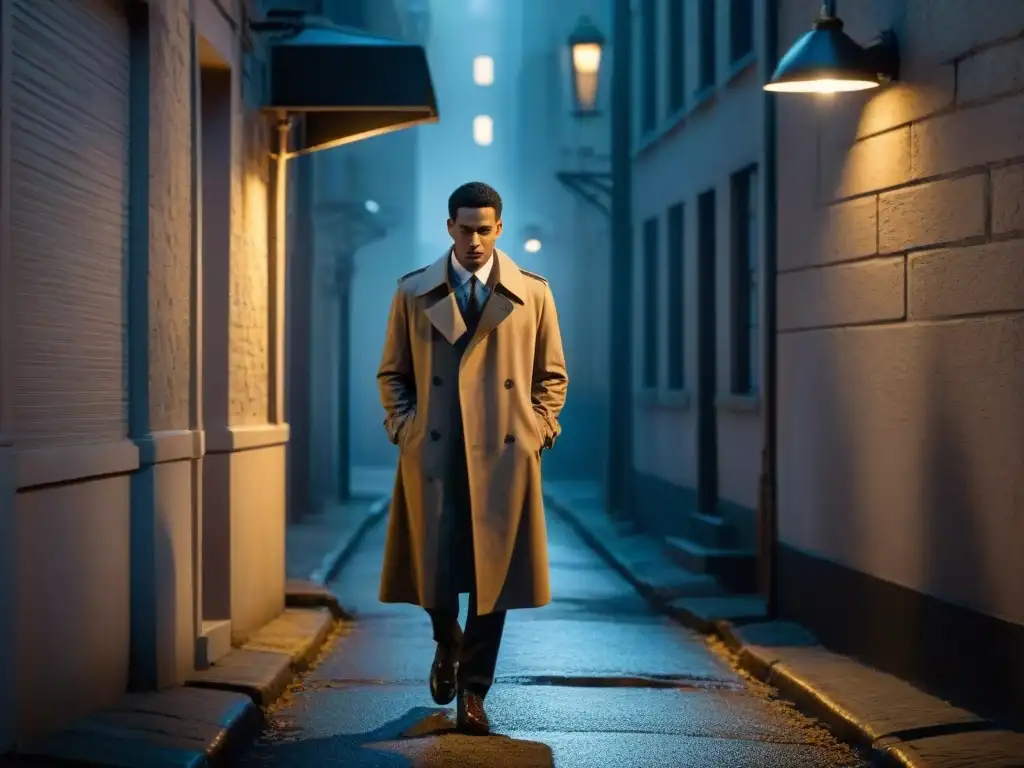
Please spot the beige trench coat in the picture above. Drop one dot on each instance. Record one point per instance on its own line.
(511, 383)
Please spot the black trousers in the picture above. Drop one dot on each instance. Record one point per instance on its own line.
(476, 648)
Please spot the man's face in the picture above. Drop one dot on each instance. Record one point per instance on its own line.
(474, 231)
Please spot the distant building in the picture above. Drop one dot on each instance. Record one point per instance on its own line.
(562, 172)
(697, 193)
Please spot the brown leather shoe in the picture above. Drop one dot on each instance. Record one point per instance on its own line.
(442, 676)
(471, 717)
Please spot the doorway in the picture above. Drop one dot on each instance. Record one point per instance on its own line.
(213, 212)
(707, 355)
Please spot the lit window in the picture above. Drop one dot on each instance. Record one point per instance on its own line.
(483, 70)
(483, 130)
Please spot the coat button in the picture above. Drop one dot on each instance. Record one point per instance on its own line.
(437, 381)
(509, 383)
(435, 435)
(509, 439)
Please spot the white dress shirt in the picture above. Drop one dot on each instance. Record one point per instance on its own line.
(461, 279)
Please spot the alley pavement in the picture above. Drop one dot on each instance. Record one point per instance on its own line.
(594, 680)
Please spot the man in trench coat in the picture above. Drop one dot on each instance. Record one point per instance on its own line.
(472, 380)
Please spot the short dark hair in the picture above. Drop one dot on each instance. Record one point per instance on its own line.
(474, 194)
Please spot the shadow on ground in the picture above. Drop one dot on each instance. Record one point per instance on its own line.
(421, 737)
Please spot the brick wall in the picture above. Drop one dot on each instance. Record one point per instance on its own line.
(901, 307)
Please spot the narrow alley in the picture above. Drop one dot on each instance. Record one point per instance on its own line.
(594, 679)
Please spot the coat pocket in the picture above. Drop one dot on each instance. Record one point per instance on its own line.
(406, 428)
(539, 430)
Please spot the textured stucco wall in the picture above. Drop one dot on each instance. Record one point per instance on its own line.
(243, 477)
(257, 538)
(249, 340)
(170, 201)
(8, 597)
(72, 581)
(688, 153)
(901, 369)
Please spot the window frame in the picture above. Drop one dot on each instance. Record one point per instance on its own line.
(675, 337)
(745, 282)
(707, 31)
(650, 283)
(675, 56)
(741, 36)
(649, 66)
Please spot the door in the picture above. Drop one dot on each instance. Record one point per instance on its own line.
(707, 358)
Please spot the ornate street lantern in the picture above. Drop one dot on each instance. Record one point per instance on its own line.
(586, 44)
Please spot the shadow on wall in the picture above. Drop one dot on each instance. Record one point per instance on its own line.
(965, 455)
(898, 467)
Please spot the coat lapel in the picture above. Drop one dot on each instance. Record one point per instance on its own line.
(444, 314)
(447, 318)
(507, 292)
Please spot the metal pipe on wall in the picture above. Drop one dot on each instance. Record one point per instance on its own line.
(278, 254)
(345, 274)
(620, 443)
(767, 518)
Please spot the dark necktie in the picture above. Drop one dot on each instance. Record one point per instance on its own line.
(473, 304)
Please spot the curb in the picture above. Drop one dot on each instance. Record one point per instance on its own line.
(885, 751)
(342, 553)
(646, 590)
(841, 723)
(264, 667)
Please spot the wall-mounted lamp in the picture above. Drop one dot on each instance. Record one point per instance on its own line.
(827, 60)
(586, 44)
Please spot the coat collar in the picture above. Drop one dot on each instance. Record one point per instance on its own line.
(510, 277)
(445, 315)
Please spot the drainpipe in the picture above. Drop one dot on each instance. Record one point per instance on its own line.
(620, 442)
(767, 519)
(345, 270)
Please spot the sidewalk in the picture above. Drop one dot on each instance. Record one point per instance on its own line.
(898, 724)
(221, 708)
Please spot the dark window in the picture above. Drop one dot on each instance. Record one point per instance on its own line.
(707, 44)
(676, 294)
(676, 62)
(741, 28)
(745, 304)
(650, 296)
(649, 66)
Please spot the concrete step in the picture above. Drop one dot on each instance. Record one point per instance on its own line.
(735, 569)
(213, 643)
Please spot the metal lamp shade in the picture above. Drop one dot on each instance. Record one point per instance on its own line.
(825, 60)
(348, 85)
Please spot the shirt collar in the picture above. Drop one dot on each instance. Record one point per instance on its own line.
(462, 274)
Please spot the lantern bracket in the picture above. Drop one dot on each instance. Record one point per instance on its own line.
(595, 187)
